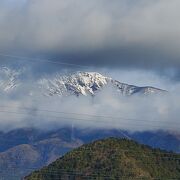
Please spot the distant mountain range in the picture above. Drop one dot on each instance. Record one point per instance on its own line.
(79, 83)
(112, 159)
(25, 150)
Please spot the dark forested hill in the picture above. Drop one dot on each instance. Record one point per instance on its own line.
(25, 150)
(112, 158)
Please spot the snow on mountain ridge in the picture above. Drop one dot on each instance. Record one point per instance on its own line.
(79, 83)
(8, 79)
(87, 83)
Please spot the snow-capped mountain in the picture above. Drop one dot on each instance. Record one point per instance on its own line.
(89, 83)
(9, 79)
(79, 83)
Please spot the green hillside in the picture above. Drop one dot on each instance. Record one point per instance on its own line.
(112, 158)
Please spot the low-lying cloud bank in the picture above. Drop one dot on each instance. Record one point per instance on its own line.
(108, 109)
(118, 34)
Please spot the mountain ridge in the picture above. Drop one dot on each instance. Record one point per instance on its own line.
(78, 83)
(85, 83)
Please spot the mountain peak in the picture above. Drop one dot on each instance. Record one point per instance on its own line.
(78, 83)
(88, 83)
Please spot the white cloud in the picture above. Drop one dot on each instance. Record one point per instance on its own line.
(108, 109)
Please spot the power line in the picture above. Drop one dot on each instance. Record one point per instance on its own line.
(80, 173)
(82, 114)
(90, 120)
(36, 168)
(35, 60)
(92, 175)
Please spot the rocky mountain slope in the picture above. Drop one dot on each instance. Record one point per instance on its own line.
(88, 83)
(78, 83)
(112, 159)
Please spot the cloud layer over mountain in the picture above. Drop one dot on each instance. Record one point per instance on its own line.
(107, 109)
(103, 35)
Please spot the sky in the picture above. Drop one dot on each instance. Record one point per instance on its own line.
(135, 42)
(117, 34)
